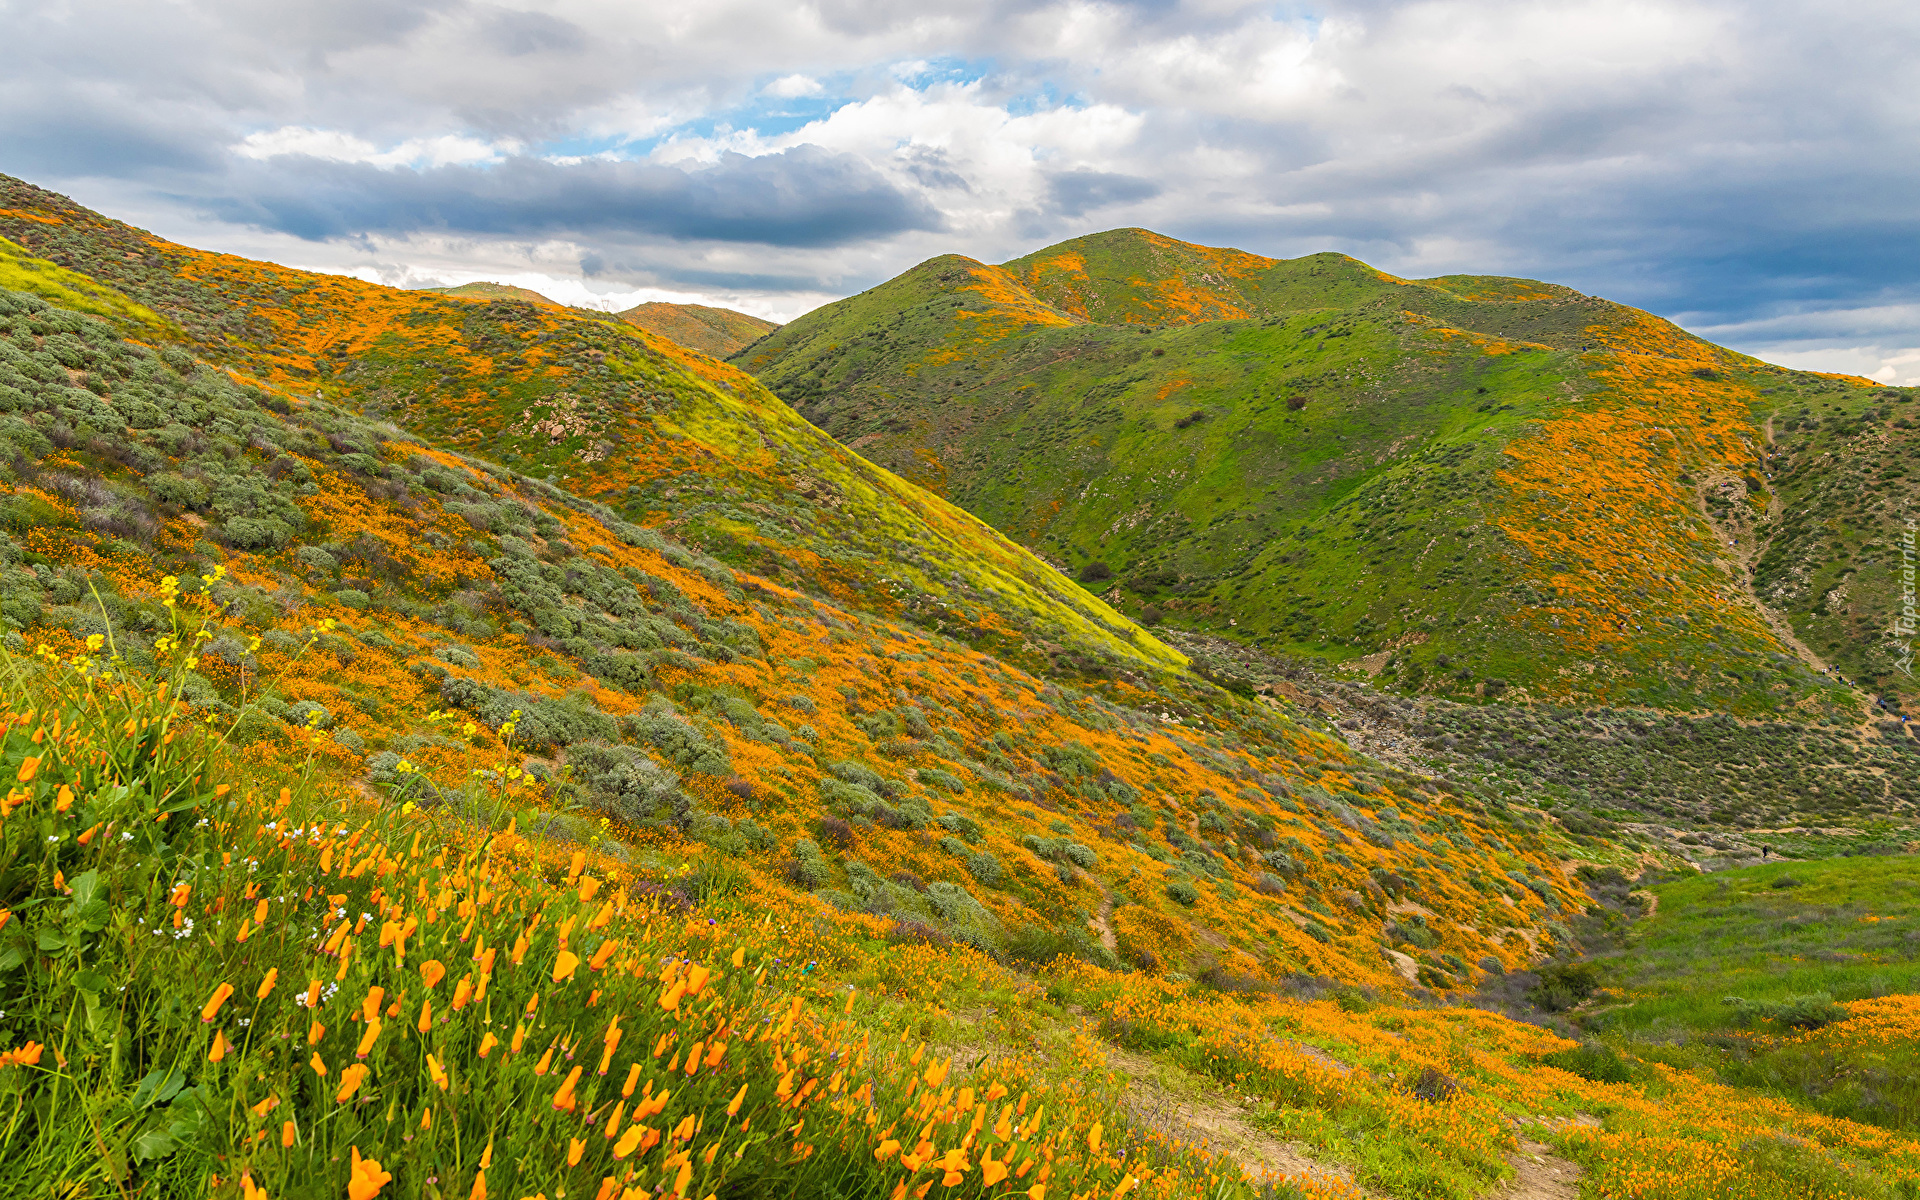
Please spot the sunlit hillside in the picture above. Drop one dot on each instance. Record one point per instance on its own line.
(715, 331)
(459, 747)
(490, 291)
(1466, 487)
(663, 435)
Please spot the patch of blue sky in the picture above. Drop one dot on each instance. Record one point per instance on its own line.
(1044, 98)
(923, 73)
(768, 116)
(584, 146)
(771, 115)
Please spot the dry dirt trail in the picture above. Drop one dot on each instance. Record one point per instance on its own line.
(1740, 549)
(1100, 920)
(1214, 1119)
(1206, 1114)
(1539, 1174)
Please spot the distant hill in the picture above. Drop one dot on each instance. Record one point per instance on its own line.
(1465, 486)
(491, 291)
(715, 331)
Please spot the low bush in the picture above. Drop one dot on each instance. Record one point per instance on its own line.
(1812, 1010)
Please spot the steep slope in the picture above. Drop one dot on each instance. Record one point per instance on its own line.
(666, 436)
(307, 715)
(359, 585)
(715, 331)
(1684, 787)
(1463, 486)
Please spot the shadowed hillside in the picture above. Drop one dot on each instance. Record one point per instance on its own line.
(663, 435)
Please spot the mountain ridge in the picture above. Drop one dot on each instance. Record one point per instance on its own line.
(362, 582)
(319, 599)
(1310, 452)
(491, 291)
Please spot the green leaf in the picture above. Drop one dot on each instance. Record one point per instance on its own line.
(157, 1087)
(191, 801)
(84, 889)
(91, 981)
(12, 957)
(52, 939)
(189, 1113)
(154, 1143)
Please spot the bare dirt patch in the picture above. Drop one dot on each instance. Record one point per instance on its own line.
(1538, 1174)
(1220, 1125)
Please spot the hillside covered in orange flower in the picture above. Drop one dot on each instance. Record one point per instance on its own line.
(662, 693)
(715, 331)
(1461, 487)
(703, 449)
(459, 746)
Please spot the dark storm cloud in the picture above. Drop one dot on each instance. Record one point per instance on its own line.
(64, 136)
(1075, 193)
(800, 197)
(319, 27)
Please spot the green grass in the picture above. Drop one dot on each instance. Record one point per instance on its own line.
(1775, 937)
(163, 924)
(22, 272)
(1734, 933)
(1842, 461)
(1320, 477)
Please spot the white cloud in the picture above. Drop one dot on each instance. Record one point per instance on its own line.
(1727, 161)
(954, 141)
(437, 151)
(1899, 367)
(794, 86)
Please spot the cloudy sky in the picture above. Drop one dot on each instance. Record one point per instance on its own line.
(1750, 168)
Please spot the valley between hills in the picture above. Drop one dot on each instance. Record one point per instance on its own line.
(1141, 719)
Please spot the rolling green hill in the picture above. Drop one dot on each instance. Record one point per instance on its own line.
(664, 730)
(715, 331)
(1466, 486)
(362, 583)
